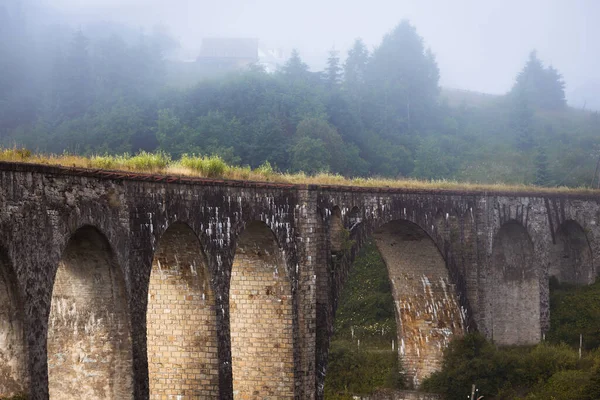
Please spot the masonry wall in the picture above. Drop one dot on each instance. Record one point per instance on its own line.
(571, 255)
(13, 377)
(181, 320)
(42, 207)
(426, 303)
(262, 342)
(89, 346)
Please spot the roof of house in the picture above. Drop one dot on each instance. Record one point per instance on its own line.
(246, 48)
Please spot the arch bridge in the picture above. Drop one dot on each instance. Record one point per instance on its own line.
(122, 286)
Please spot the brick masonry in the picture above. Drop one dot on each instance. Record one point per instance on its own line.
(260, 303)
(427, 309)
(65, 232)
(181, 320)
(88, 329)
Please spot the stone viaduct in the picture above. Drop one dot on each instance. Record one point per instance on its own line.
(121, 286)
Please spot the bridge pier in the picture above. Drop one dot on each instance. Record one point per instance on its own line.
(497, 249)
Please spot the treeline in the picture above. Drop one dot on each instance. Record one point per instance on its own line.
(378, 112)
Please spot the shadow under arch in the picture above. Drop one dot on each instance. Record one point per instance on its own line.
(428, 312)
(181, 326)
(261, 317)
(337, 232)
(13, 348)
(515, 287)
(89, 339)
(571, 259)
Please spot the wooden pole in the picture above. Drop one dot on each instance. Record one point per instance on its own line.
(473, 392)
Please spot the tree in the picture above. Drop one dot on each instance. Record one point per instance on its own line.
(522, 121)
(333, 72)
(542, 87)
(75, 78)
(355, 66)
(295, 68)
(542, 175)
(404, 79)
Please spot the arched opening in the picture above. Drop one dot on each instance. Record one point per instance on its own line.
(337, 232)
(13, 377)
(260, 304)
(515, 300)
(89, 342)
(354, 219)
(181, 320)
(571, 260)
(427, 307)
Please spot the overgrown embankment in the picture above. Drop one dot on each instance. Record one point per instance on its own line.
(550, 370)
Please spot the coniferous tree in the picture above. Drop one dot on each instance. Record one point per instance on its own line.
(333, 73)
(542, 175)
(405, 78)
(76, 78)
(295, 68)
(355, 66)
(543, 87)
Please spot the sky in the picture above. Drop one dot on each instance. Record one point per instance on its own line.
(480, 45)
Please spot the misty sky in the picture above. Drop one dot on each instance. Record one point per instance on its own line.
(480, 44)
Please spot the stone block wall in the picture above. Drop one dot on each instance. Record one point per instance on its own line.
(13, 377)
(89, 345)
(42, 208)
(181, 320)
(427, 307)
(260, 302)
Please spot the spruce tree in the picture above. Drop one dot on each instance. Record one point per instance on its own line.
(542, 175)
(333, 73)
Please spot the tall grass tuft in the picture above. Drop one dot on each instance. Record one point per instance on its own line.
(214, 167)
(144, 161)
(208, 166)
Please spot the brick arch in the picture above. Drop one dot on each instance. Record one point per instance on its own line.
(515, 287)
(89, 337)
(427, 306)
(13, 347)
(181, 319)
(571, 258)
(261, 317)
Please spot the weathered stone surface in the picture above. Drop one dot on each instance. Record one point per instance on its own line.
(427, 307)
(498, 251)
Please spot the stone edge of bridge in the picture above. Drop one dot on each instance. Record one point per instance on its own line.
(9, 166)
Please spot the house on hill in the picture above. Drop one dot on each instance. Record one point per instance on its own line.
(228, 53)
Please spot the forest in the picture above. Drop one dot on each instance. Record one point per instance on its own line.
(370, 112)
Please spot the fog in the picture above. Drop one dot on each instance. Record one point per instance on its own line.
(479, 45)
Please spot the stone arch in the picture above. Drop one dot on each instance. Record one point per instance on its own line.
(515, 287)
(336, 230)
(427, 307)
(181, 319)
(261, 317)
(89, 339)
(571, 255)
(354, 219)
(13, 376)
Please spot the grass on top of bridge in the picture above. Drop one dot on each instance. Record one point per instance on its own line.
(214, 167)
